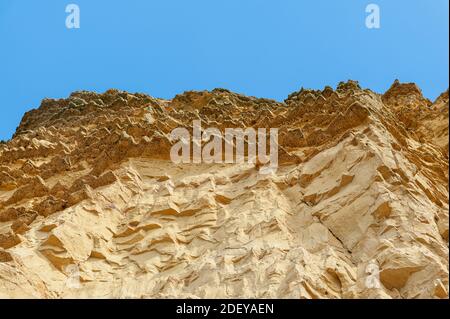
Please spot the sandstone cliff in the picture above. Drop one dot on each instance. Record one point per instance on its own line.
(92, 206)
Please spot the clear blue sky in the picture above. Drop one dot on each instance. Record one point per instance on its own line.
(257, 47)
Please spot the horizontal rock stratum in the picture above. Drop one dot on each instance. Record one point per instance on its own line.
(91, 206)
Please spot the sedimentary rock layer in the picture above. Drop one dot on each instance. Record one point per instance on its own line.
(92, 206)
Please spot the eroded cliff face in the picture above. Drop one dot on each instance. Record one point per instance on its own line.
(92, 206)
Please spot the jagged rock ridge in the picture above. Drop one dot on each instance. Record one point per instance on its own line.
(92, 206)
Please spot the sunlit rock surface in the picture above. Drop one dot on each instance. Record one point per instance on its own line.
(92, 206)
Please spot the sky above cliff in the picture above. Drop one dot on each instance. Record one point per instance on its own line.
(256, 47)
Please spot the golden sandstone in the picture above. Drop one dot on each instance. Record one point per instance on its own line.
(91, 206)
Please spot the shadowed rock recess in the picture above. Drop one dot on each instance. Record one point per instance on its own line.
(92, 206)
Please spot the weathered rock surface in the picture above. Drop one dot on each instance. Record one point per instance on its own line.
(92, 206)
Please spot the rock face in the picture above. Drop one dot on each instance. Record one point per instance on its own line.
(92, 206)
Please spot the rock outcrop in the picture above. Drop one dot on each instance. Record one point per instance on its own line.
(92, 206)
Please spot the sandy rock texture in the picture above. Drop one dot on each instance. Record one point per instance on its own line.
(91, 206)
